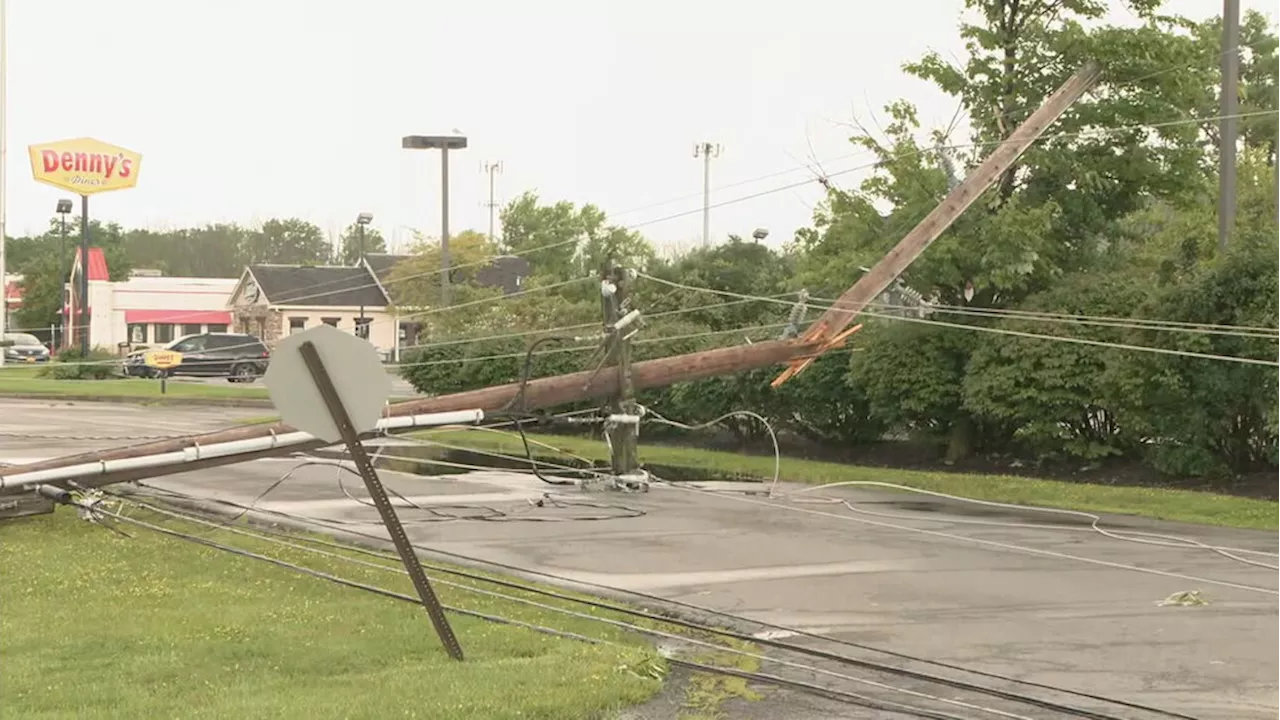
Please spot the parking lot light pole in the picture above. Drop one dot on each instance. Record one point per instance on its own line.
(362, 219)
(64, 208)
(443, 143)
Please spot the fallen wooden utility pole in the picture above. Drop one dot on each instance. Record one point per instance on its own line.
(829, 328)
(826, 333)
(541, 393)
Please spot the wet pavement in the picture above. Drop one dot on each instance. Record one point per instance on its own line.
(1034, 596)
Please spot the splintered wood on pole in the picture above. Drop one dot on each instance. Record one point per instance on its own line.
(829, 329)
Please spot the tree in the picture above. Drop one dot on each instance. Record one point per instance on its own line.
(563, 241)
(44, 277)
(744, 268)
(350, 244)
(215, 250)
(415, 281)
(286, 242)
(547, 235)
(1096, 160)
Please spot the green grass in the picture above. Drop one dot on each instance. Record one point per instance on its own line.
(257, 420)
(1166, 504)
(25, 381)
(100, 626)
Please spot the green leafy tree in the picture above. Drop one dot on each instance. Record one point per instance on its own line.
(1056, 399)
(563, 241)
(1210, 417)
(744, 268)
(350, 244)
(286, 242)
(215, 250)
(415, 281)
(44, 277)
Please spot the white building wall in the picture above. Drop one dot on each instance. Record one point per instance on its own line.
(109, 303)
(101, 311)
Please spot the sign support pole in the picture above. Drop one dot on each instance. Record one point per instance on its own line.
(379, 495)
(84, 277)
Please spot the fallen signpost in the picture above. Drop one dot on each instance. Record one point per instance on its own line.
(301, 382)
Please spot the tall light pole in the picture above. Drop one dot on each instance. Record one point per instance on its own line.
(362, 219)
(64, 207)
(492, 169)
(443, 143)
(4, 162)
(707, 151)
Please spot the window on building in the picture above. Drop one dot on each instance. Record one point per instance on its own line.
(330, 321)
(220, 327)
(162, 333)
(138, 334)
(297, 325)
(189, 329)
(245, 326)
(362, 328)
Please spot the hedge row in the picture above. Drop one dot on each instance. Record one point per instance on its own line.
(954, 381)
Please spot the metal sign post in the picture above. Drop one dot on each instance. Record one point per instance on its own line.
(351, 437)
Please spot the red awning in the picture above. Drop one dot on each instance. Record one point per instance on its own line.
(177, 317)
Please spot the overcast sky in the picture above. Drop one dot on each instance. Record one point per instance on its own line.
(245, 110)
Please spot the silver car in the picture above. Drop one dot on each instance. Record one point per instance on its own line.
(24, 348)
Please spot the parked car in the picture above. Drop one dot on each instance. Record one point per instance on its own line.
(237, 357)
(24, 348)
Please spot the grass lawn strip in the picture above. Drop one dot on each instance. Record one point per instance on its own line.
(1161, 503)
(174, 628)
(25, 381)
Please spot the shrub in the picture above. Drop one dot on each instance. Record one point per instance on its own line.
(71, 365)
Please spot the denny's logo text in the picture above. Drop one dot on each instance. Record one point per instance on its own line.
(85, 166)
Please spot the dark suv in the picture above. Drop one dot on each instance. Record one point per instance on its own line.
(239, 358)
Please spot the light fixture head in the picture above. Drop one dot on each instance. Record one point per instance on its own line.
(64, 206)
(433, 142)
(364, 218)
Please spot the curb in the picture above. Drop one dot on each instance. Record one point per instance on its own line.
(135, 400)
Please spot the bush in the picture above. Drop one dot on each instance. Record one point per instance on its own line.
(71, 365)
(1058, 400)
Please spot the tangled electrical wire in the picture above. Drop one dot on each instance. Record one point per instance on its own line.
(1095, 521)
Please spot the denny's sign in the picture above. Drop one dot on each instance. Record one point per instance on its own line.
(85, 166)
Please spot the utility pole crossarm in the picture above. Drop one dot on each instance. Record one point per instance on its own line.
(829, 330)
